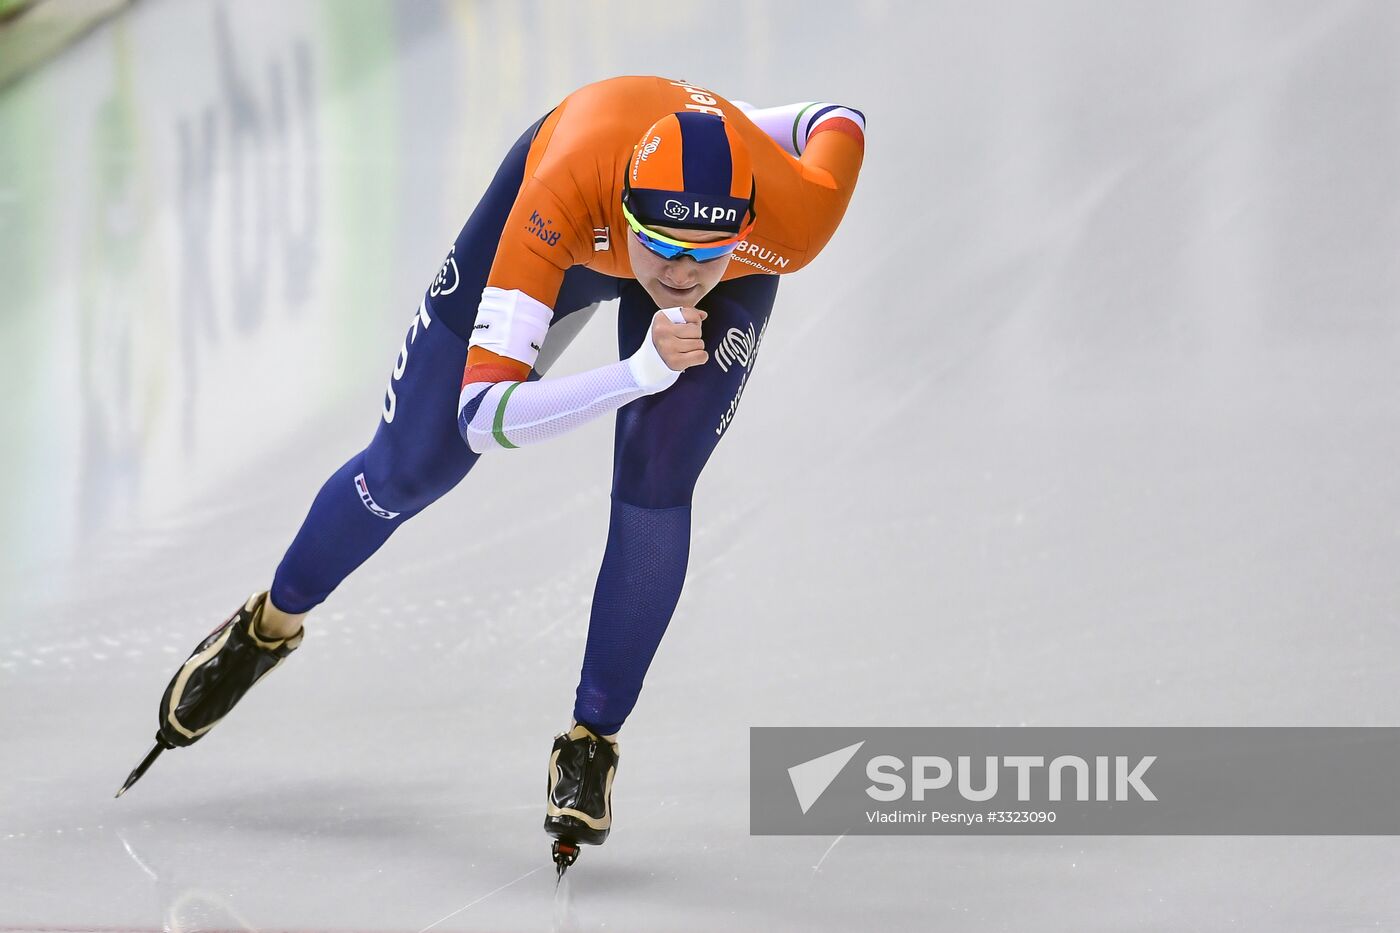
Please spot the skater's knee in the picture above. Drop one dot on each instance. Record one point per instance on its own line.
(402, 492)
(653, 486)
(402, 483)
(653, 480)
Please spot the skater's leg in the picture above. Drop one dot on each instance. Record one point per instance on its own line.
(411, 462)
(394, 478)
(662, 443)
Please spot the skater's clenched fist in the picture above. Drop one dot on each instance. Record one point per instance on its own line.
(680, 343)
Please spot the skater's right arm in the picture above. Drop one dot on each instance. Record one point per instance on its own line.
(499, 410)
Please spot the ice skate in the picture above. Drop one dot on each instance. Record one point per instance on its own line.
(578, 805)
(222, 668)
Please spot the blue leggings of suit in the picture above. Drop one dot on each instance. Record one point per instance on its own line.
(661, 444)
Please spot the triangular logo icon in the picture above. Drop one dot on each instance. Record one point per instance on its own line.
(811, 778)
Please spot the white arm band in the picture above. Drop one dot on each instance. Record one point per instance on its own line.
(510, 323)
(502, 415)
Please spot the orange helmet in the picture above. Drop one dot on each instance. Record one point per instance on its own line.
(691, 170)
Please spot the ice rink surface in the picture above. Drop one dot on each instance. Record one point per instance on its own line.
(1088, 415)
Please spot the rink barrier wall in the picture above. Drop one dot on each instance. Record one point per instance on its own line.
(34, 31)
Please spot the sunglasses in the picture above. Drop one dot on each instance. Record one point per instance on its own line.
(667, 248)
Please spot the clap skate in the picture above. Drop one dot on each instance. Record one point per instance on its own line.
(578, 805)
(222, 668)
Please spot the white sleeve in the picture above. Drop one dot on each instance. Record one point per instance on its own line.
(503, 415)
(791, 125)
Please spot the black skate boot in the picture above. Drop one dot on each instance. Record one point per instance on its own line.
(578, 807)
(222, 668)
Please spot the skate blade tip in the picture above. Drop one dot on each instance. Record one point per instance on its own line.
(140, 770)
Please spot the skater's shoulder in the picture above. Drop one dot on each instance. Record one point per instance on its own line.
(621, 89)
(606, 115)
(609, 115)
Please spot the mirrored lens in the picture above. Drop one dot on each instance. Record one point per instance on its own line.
(671, 250)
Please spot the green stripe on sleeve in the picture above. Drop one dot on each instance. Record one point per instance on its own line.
(498, 423)
(795, 123)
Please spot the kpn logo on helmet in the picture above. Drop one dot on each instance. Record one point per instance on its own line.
(707, 213)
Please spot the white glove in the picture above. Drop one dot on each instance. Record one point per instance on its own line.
(648, 368)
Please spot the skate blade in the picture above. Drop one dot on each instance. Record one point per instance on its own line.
(565, 853)
(140, 769)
